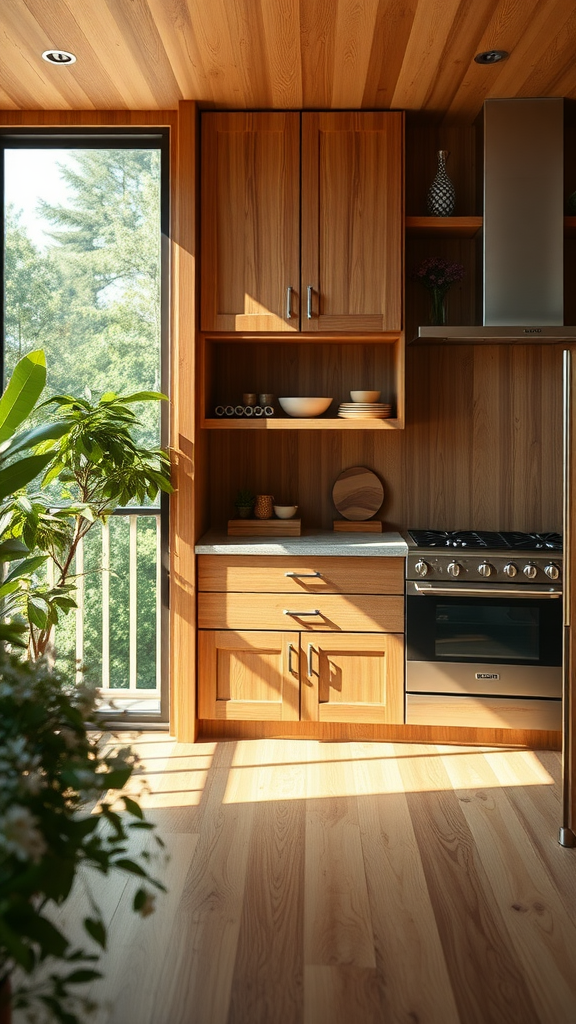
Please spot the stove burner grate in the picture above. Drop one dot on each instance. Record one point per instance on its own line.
(478, 539)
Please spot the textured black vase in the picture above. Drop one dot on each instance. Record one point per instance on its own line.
(441, 196)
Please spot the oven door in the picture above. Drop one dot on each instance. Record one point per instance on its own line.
(471, 640)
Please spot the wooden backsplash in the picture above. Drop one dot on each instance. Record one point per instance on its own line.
(482, 447)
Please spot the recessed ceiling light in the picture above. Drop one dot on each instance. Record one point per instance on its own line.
(58, 57)
(491, 56)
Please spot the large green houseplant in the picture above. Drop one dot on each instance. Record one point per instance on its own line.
(85, 447)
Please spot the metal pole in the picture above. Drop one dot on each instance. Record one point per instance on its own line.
(566, 836)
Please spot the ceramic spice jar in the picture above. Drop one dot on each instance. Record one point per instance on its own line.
(264, 506)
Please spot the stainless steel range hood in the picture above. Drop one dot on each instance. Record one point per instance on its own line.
(523, 232)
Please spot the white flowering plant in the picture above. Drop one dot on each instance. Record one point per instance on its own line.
(55, 820)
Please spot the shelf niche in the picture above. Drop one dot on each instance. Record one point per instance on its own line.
(233, 367)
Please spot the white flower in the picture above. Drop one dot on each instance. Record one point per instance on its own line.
(148, 907)
(20, 835)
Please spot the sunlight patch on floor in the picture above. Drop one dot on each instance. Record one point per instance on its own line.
(378, 775)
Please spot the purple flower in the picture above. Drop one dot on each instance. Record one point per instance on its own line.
(436, 273)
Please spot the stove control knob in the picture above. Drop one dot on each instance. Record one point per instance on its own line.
(511, 570)
(552, 571)
(485, 569)
(454, 569)
(530, 571)
(421, 567)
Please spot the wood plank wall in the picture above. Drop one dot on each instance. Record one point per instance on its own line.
(482, 447)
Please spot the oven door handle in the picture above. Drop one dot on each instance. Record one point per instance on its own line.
(431, 590)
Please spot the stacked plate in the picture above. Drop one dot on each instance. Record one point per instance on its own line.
(365, 411)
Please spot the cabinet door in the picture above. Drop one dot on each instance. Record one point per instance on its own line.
(355, 677)
(352, 221)
(248, 675)
(250, 222)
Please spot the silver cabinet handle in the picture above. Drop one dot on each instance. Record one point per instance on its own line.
(302, 575)
(291, 651)
(310, 650)
(298, 615)
(309, 305)
(289, 302)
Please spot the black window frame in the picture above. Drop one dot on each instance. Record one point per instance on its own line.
(125, 137)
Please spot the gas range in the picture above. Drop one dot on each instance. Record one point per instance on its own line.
(484, 629)
(497, 558)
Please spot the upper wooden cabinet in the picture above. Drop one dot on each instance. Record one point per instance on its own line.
(325, 256)
(352, 221)
(250, 222)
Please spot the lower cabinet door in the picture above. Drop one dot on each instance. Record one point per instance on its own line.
(353, 677)
(248, 675)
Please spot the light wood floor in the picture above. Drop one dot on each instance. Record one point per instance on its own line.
(347, 883)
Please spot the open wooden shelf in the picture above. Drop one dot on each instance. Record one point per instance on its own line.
(292, 423)
(452, 227)
(461, 227)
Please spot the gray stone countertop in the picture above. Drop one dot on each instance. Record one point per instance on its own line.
(311, 542)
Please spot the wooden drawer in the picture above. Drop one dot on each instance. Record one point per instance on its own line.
(261, 574)
(351, 613)
(483, 712)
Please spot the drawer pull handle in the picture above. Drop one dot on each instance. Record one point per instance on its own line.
(310, 650)
(298, 615)
(302, 575)
(291, 651)
(289, 302)
(309, 303)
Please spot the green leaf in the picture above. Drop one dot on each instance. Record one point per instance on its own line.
(29, 565)
(23, 391)
(142, 396)
(96, 930)
(11, 549)
(12, 633)
(15, 947)
(37, 612)
(12, 478)
(9, 587)
(36, 436)
(52, 473)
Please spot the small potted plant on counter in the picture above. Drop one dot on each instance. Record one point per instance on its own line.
(244, 503)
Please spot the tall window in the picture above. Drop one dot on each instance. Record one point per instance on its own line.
(84, 219)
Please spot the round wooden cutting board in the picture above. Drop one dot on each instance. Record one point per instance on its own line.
(358, 493)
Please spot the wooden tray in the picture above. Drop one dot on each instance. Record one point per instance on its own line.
(264, 527)
(345, 526)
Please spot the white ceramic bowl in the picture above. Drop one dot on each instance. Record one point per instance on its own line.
(304, 407)
(365, 396)
(285, 511)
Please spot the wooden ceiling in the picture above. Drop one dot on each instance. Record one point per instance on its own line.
(412, 54)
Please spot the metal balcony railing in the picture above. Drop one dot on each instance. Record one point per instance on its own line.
(125, 684)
